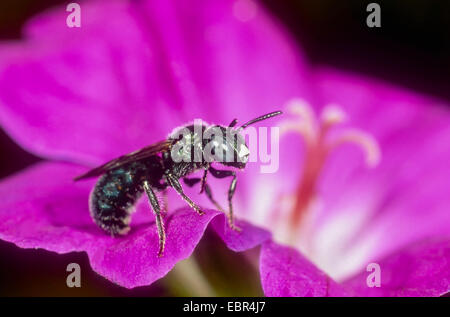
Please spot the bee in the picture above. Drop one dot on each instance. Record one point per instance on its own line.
(156, 167)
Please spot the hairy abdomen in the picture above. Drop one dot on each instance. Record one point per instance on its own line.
(113, 198)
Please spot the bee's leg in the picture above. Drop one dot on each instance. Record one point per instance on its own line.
(203, 183)
(175, 184)
(165, 203)
(231, 190)
(208, 193)
(192, 181)
(159, 223)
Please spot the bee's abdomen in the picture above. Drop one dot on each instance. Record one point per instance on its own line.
(114, 196)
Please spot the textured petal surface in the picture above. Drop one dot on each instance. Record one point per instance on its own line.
(285, 272)
(422, 269)
(48, 210)
(137, 69)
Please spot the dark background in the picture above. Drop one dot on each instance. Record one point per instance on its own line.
(411, 49)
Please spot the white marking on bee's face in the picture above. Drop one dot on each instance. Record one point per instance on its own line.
(243, 150)
(243, 153)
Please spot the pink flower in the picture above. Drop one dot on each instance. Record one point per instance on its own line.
(78, 97)
(371, 190)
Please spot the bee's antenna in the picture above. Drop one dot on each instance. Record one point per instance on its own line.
(233, 123)
(261, 118)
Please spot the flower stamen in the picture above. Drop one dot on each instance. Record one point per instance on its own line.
(306, 123)
(318, 146)
(364, 140)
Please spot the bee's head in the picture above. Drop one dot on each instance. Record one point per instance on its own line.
(227, 146)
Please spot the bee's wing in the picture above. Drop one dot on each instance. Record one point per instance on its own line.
(128, 158)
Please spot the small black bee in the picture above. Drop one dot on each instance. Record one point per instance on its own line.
(162, 164)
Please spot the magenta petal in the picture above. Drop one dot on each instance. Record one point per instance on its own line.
(83, 94)
(285, 272)
(422, 269)
(137, 69)
(248, 237)
(371, 212)
(132, 261)
(42, 207)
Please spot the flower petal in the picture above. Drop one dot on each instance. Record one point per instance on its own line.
(135, 70)
(362, 212)
(246, 238)
(285, 272)
(370, 213)
(422, 269)
(42, 207)
(83, 94)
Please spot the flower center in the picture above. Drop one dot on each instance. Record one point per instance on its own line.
(321, 138)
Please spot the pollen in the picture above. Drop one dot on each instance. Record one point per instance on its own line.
(322, 135)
